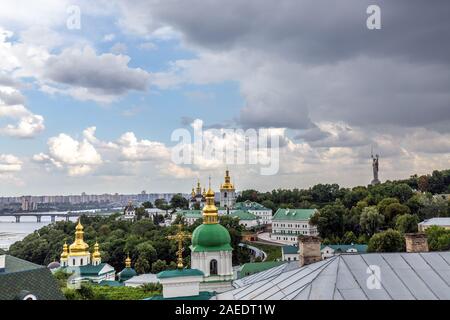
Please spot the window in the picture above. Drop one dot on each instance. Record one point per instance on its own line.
(73, 261)
(81, 261)
(213, 267)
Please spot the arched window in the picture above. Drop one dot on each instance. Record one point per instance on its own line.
(213, 267)
(81, 261)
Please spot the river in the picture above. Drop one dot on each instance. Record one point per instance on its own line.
(10, 231)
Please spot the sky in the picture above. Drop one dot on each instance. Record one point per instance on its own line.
(91, 92)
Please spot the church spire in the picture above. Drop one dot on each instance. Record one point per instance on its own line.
(79, 247)
(128, 261)
(210, 213)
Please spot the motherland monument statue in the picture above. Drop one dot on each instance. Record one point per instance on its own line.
(375, 169)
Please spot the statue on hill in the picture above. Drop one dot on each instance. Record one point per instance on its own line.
(375, 169)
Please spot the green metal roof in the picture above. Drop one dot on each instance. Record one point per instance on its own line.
(243, 215)
(190, 213)
(203, 295)
(294, 214)
(255, 267)
(211, 237)
(290, 249)
(179, 273)
(345, 247)
(127, 273)
(21, 277)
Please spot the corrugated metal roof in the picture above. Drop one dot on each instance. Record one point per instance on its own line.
(373, 276)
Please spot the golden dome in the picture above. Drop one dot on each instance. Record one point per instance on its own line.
(96, 254)
(210, 213)
(227, 185)
(128, 262)
(193, 192)
(79, 247)
(65, 252)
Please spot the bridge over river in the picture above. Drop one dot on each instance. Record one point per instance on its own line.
(54, 215)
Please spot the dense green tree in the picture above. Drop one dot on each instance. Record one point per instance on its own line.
(349, 238)
(402, 192)
(158, 266)
(371, 220)
(147, 205)
(407, 223)
(384, 203)
(386, 241)
(393, 210)
(142, 265)
(438, 238)
(179, 202)
(146, 251)
(354, 196)
(162, 204)
(330, 220)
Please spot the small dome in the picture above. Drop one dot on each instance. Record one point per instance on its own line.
(53, 265)
(127, 273)
(211, 237)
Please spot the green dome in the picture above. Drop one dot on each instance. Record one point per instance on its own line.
(211, 237)
(127, 273)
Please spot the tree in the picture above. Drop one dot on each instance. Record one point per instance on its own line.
(330, 220)
(158, 266)
(415, 203)
(402, 192)
(147, 205)
(371, 221)
(349, 238)
(146, 251)
(384, 203)
(423, 183)
(269, 204)
(393, 210)
(407, 223)
(178, 201)
(140, 213)
(142, 265)
(162, 204)
(387, 241)
(438, 238)
(353, 197)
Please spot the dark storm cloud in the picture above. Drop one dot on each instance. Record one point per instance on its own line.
(317, 61)
(312, 31)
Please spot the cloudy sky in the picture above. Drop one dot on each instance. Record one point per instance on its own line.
(93, 108)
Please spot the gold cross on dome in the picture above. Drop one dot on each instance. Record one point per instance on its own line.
(180, 237)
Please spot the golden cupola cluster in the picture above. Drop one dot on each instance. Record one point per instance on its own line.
(210, 212)
(65, 253)
(227, 185)
(79, 247)
(96, 254)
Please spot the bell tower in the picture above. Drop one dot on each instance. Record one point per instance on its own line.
(227, 192)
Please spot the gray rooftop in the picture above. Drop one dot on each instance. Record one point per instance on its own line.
(142, 279)
(402, 276)
(436, 222)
